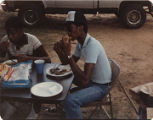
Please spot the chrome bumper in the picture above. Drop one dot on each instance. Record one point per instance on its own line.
(4, 6)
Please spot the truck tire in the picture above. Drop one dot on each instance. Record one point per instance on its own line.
(133, 16)
(31, 16)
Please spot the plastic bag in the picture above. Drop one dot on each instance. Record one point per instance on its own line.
(17, 76)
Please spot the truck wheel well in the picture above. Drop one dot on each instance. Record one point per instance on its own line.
(133, 16)
(31, 13)
(134, 3)
(24, 4)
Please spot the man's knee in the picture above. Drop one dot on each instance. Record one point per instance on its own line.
(71, 101)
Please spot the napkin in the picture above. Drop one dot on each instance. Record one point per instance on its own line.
(145, 88)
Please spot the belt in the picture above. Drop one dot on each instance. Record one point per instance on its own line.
(108, 84)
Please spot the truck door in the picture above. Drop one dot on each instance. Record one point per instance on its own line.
(109, 3)
(87, 4)
(49, 3)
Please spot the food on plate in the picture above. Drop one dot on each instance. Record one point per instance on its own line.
(59, 71)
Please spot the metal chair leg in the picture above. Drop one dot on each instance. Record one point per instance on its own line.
(111, 108)
(109, 117)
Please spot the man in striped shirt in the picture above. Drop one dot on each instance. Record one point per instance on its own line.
(21, 46)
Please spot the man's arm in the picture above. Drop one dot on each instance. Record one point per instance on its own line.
(59, 49)
(75, 58)
(3, 48)
(82, 77)
(39, 53)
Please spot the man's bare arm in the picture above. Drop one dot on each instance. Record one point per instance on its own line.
(39, 53)
(82, 76)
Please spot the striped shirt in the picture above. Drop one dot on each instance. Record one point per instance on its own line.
(27, 49)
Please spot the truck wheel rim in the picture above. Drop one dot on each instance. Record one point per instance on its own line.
(134, 17)
(31, 17)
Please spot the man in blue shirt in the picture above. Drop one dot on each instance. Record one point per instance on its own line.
(94, 81)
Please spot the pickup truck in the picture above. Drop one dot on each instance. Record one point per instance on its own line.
(131, 12)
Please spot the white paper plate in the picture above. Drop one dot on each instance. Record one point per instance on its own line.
(60, 67)
(46, 89)
(10, 62)
(147, 90)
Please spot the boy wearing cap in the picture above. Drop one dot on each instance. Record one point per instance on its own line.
(94, 81)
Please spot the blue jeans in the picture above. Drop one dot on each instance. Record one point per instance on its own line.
(86, 95)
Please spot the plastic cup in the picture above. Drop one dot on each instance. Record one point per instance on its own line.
(39, 66)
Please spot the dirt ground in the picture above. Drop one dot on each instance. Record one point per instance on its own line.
(131, 48)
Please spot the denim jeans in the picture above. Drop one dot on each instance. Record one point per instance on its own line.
(75, 100)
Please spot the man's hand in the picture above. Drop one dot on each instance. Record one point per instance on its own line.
(63, 49)
(58, 48)
(4, 46)
(0, 82)
(66, 45)
(22, 58)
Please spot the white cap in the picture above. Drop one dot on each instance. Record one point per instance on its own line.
(70, 16)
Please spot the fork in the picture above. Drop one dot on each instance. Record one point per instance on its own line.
(56, 66)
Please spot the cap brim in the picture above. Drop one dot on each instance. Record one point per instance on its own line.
(70, 16)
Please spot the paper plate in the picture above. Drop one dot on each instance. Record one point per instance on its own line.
(147, 90)
(47, 89)
(60, 67)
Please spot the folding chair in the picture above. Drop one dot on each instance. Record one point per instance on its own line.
(106, 100)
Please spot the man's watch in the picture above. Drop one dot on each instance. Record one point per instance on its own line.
(69, 57)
